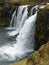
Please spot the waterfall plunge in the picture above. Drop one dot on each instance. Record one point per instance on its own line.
(24, 44)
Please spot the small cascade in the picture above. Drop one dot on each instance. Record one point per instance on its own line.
(17, 18)
(13, 16)
(18, 21)
(33, 10)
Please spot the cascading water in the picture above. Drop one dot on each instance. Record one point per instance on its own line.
(33, 10)
(24, 43)
(13, 16)
(18, 20)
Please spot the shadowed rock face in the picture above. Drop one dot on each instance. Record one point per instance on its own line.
(6, 11)
(42, 26)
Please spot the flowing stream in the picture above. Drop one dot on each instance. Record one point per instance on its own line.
(17, 41)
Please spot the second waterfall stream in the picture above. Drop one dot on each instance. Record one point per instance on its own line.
(22, 29)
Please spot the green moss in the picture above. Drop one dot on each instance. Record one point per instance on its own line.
(1, 8)
(29, 62)
(40, 57)
(35, 57)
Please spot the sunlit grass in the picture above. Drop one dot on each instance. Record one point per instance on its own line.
(23, 62)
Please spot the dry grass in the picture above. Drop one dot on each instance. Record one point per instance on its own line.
(23, 62)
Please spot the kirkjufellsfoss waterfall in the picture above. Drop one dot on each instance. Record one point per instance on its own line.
(24, 42)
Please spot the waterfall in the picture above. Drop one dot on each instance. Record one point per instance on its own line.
(33, 10)
(18, 20)
(24, 41)
(13, 16)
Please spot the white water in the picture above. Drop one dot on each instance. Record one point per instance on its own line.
(18, 20)
(24, 41)
(13, 16)
(35, 7)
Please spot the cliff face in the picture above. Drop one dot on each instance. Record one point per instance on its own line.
(42, 26)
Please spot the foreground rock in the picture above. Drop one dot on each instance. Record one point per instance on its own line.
(40, 57)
